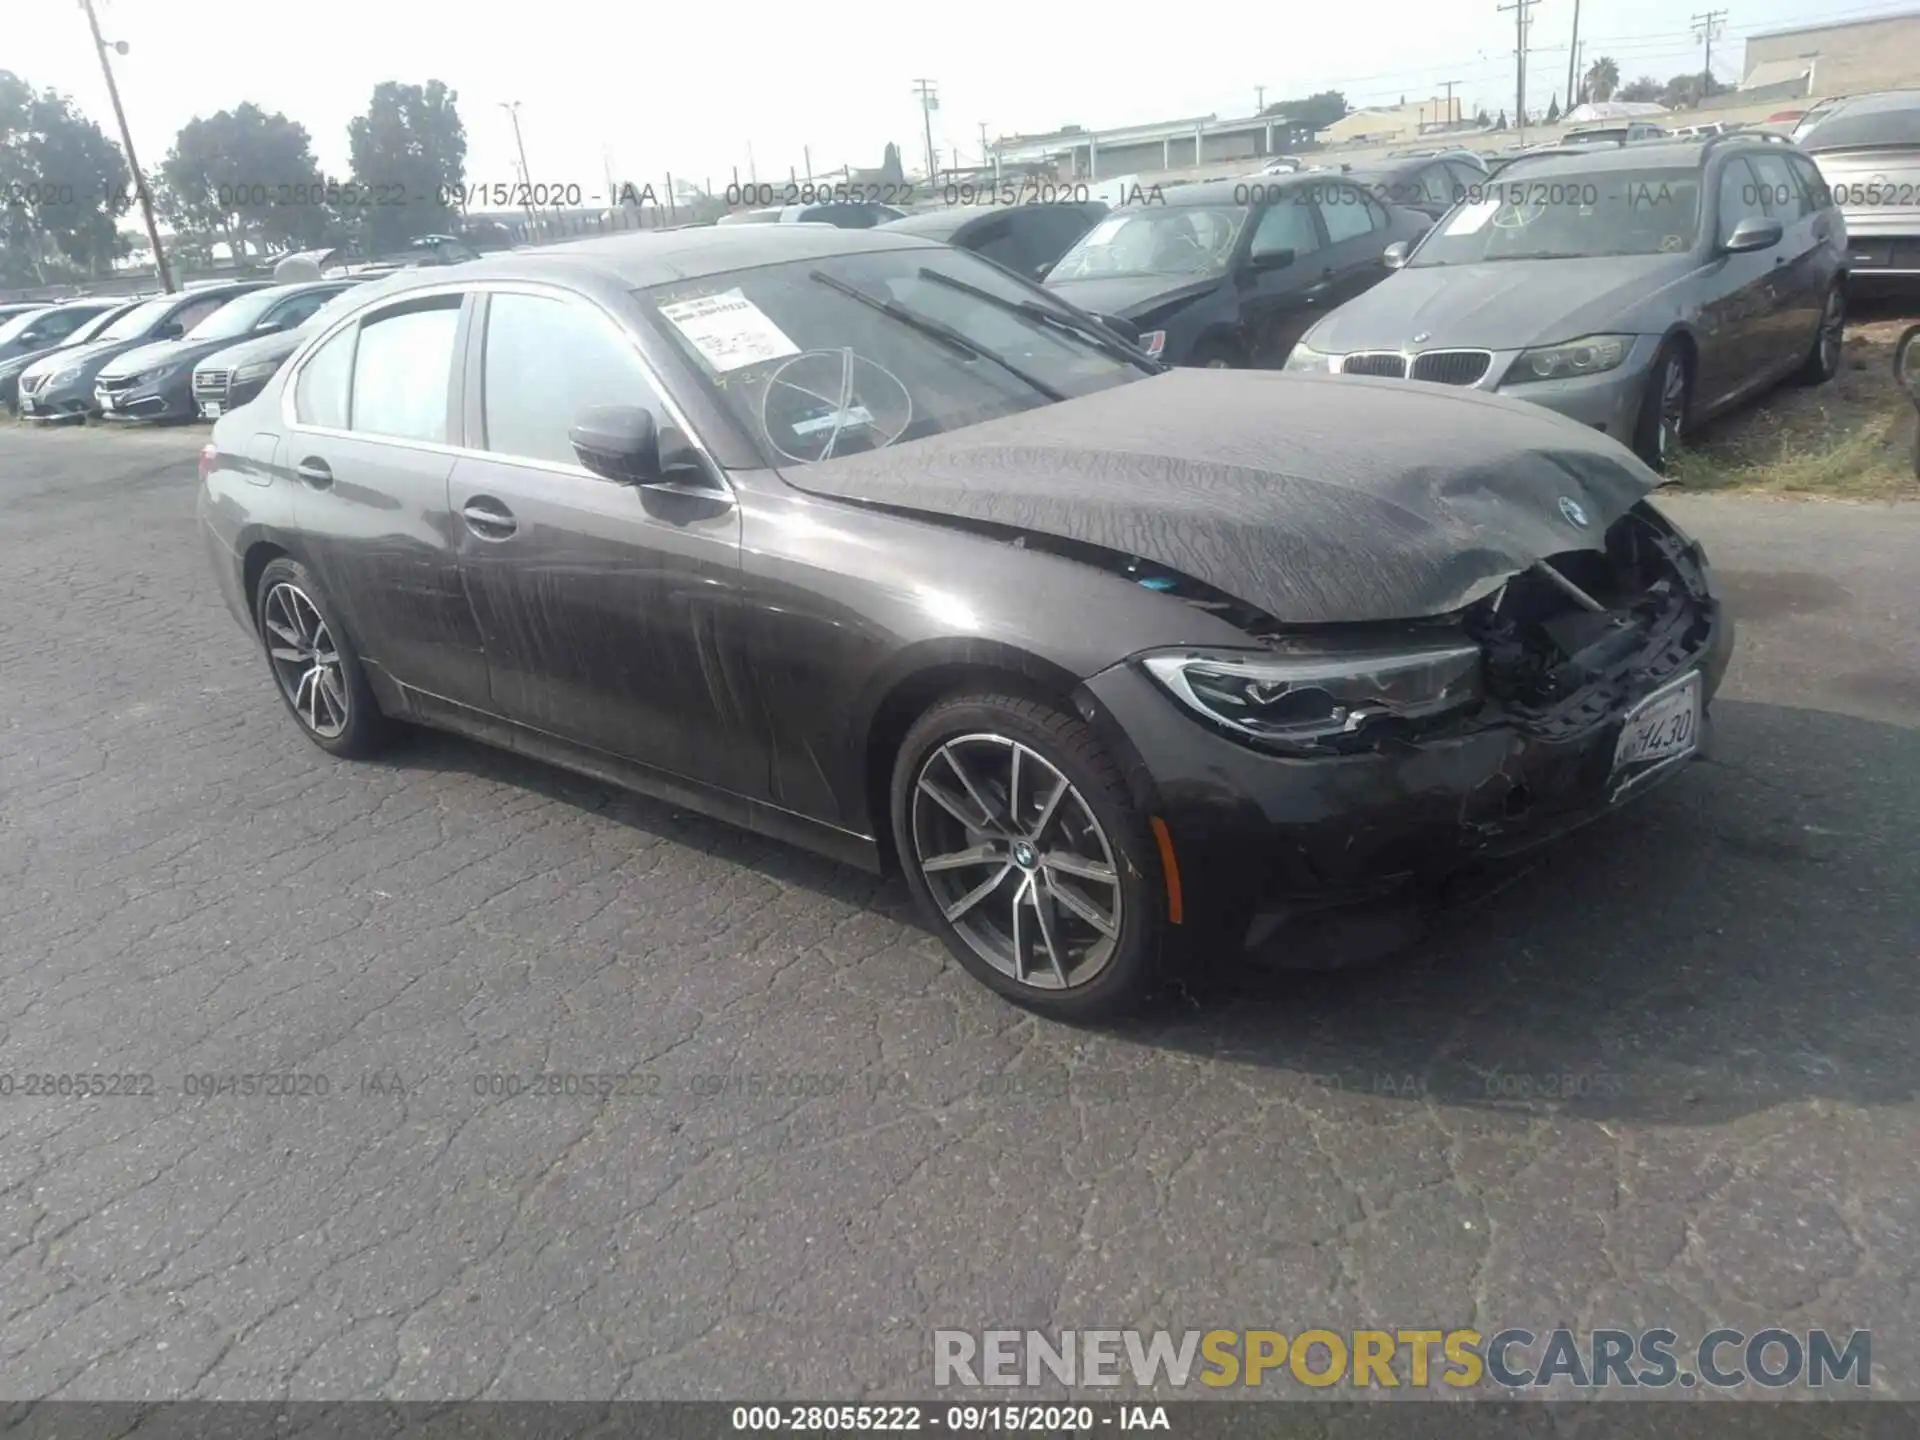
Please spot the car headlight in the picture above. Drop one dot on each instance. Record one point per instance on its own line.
(63, 377)
(1304, 358)
(254, 370)
(1588, 355)
(1306, 702)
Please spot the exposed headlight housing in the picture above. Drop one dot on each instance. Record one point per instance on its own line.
(63, 377)
(1309, 702)
(254, 370)
(1589, 355)
(1303, 358)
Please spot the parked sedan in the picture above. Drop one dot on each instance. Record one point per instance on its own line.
(60, 386)
(1228, 274)
(1868, 151)
(155, 382)
(1026, 239)
(866, 544)
(1431, 183)
(1638, 289)
(230, 377)
(32, 331)
(95, 315)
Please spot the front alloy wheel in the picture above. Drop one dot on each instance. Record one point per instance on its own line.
(1017, 861)
(305, 660)
(1021, 843)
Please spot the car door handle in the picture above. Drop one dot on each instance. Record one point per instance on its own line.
(314, 472)
(488, 518)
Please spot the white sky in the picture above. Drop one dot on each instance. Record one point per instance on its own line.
(690, 88)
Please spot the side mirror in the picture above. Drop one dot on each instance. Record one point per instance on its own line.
(172, 330)
(1271, 260)
(1395, 255)
(269, 327)
(619, 443)
(1754, 233)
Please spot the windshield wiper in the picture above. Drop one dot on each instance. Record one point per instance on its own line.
(1087, 332)
(937, 330)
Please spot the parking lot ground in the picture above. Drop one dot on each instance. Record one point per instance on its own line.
(1667, 1077)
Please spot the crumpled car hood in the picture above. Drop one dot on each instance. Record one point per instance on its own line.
(1319, 499)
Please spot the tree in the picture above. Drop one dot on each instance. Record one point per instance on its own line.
(1312, 112)
(1502, 124)
(409, 157)
(891, 172)
(1603, 78)
(1482, 119)
(244, 173)
(1644, 89)
(1553, 109)
(1683, 92)
(62, 185)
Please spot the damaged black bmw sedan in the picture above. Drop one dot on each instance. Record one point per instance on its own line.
(866, 544)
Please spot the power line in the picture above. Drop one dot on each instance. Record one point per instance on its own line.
(929, 102)
(1520, 22)
(1705, 29)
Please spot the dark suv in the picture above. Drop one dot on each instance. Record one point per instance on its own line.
(1639, 288)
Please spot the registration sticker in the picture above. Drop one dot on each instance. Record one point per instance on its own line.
(729, 330)
(1661, 730)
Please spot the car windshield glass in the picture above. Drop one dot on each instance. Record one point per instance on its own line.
(93, 328)
(332, 310)
(1533, 214)
(1156, 240)
(829, 357)
(14, 328)
(142, 318)
(236, 317)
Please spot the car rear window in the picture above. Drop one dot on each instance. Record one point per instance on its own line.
(1865, 124)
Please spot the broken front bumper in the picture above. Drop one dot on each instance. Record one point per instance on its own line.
(1256, 834)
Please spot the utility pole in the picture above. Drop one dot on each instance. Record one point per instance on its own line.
(126, 140)
(806, 154)
(1573, 60)
(1451, 117)
(753, 174)
(929, 102)
(512, 107)
(1704, 28)
(1521, 19)
(1259, 99)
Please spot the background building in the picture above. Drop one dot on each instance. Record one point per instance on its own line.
(1882, 53)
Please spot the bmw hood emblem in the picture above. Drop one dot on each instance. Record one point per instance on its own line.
(1422, 338)
(1571, 508)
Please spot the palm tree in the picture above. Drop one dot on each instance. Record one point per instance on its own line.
(1603, 78)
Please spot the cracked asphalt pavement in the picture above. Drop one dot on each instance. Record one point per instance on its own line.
(1666, 1076)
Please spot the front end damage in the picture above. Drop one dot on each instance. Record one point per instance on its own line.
(1571, 648)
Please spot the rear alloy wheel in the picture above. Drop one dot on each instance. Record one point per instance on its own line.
(1025, 853)
(1663, 409)
(314, 665)
(1823, 361)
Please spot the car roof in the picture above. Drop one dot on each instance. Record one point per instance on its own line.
(1664, 152)
(638, 259)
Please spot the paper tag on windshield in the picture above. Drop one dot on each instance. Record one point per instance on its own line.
(1472, 217)
(729, 330)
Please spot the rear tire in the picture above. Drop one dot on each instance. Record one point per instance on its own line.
(1026, 855)
(314, 665)
(1664, 407)
(1823, 360)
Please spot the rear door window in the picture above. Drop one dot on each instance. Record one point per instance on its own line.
(402, 371)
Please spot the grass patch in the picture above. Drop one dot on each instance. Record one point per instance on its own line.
(1852, 438)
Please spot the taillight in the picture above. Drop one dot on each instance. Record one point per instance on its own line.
(208, 454)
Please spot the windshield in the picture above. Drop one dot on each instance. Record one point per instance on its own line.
(1156, 240)
(237, 316)
(142, 318)
(93, 328)
(332, 310)
(1571, 214)
(12, 329)
(806, 358)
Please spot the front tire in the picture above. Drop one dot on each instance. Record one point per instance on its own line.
(1026, 855)
(314, 665)
(1664, 408)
